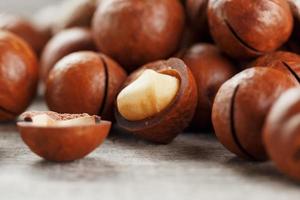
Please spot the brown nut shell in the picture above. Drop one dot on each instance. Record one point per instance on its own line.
(166, 125)
(84, 82)
(281, 133)
(249, 28)
(135, 32)
(25, 29)
(62, 44)
(61, 144)
(18, 75)
(241, 106)
(282, 60)
(210, 69)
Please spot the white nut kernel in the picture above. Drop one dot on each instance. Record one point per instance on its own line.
(46, 120)
(148, 95)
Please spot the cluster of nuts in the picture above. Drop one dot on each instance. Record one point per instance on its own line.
(156, 68)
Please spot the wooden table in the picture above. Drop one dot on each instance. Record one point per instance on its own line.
(194, 166)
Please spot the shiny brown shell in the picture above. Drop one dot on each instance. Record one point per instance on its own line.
(241, 106)
(282, 60)
(249, 28)
(166, 125)
(62, 44)
(210, 69)
(135, 32)
(18, 75)
(84, 82)
(281, 133)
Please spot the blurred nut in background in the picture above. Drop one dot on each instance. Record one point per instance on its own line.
(18, 75)
(64, 43)
(135, 32)
(44, 20)
(249, 28)
(157, 101)
(75, 13)
(210, 69)
(282, 60)
(282, 133)
(25, 29)
(196, 11)
(189, 38)
(84, 82)
(241, 106)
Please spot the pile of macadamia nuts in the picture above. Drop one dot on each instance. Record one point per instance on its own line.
(156, 68)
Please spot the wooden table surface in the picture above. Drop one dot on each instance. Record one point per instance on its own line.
(194, 166)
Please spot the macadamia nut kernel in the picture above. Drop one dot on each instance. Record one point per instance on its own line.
(46, 120)
(148, 95)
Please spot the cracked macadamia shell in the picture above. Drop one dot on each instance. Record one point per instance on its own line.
(63, 44)
(135, 32)
(84, 82)
(249, 28)
(210, 69)
(61, 143)
(241, 106)
(147, 95)
(164, 126)
(282, 133)
(18, 75)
